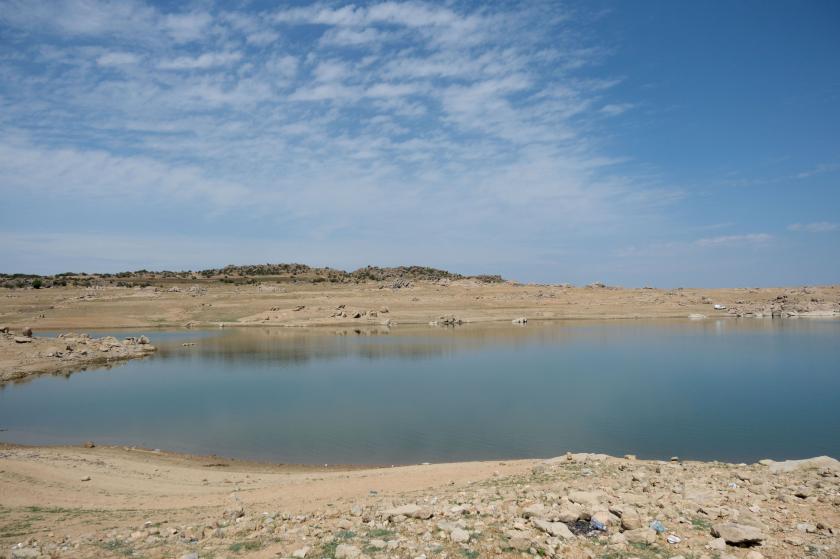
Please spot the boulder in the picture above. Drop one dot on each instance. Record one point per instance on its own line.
(556, 529)
(737, 534)
(537, 509)
(630, 520)
(788, 466)
(27, 331)
(410, 511)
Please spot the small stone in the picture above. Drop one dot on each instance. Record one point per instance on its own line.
(301, 553)
(192, 555)
(347, 551)
(89, 444)
(806, 527)
(717, 544)
(27, 331)
(86, 478)
(459, 535)
(409, 511)
(641, 536)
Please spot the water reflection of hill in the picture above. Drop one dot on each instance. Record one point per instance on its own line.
(301, 345)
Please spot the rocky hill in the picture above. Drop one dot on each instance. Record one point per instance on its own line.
(282, 272)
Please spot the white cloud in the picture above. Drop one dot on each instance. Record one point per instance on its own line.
(476, 117)
(118, 59)
(200, 62)
(184, 28)
(734, 240)
(615, 109)
(816, 227)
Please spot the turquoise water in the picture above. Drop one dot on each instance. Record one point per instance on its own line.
(735, 390)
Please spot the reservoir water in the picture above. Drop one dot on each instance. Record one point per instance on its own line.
(733, 390)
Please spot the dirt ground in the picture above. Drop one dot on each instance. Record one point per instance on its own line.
(305, 304)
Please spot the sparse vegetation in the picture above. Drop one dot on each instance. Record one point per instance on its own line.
(241, 275)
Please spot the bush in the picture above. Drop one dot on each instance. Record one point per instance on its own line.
(37, 283)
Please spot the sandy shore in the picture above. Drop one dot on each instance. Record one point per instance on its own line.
(373, 303)
(119, 502)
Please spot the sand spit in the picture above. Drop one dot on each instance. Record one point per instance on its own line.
(115, 502)
(23, 356)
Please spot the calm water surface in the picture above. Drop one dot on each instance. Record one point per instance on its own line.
(724, 389)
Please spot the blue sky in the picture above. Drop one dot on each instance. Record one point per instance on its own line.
(655, 143)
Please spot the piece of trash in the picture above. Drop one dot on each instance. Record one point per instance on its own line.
(597, 525)
(733, 485)
(657, 526)
(674, 539)
(719, 307)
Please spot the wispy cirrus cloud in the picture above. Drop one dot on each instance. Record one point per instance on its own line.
(320, 122)
(734, 240)
(815, 227)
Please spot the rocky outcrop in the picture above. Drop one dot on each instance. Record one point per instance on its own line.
(25, 356)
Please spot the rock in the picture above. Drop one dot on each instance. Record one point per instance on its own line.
(22, 340)
(410, 511)
(570, 512)
(520, 320)
(556, 529)
(603, 518)
(737, 534)
(641, 536)
(4, 329)
(192, 555)
(537, 509)
(459, 535)
(27, 331)
(25, 553)
(806, 527)
(301, 553)
(818, 463)
(234, 511)
(717, 544)
(347, 551)
(590, 500)
(754, 555)
(143, 340)
(518, 540)
(89, 444)
(86, 478)
(630, 520)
